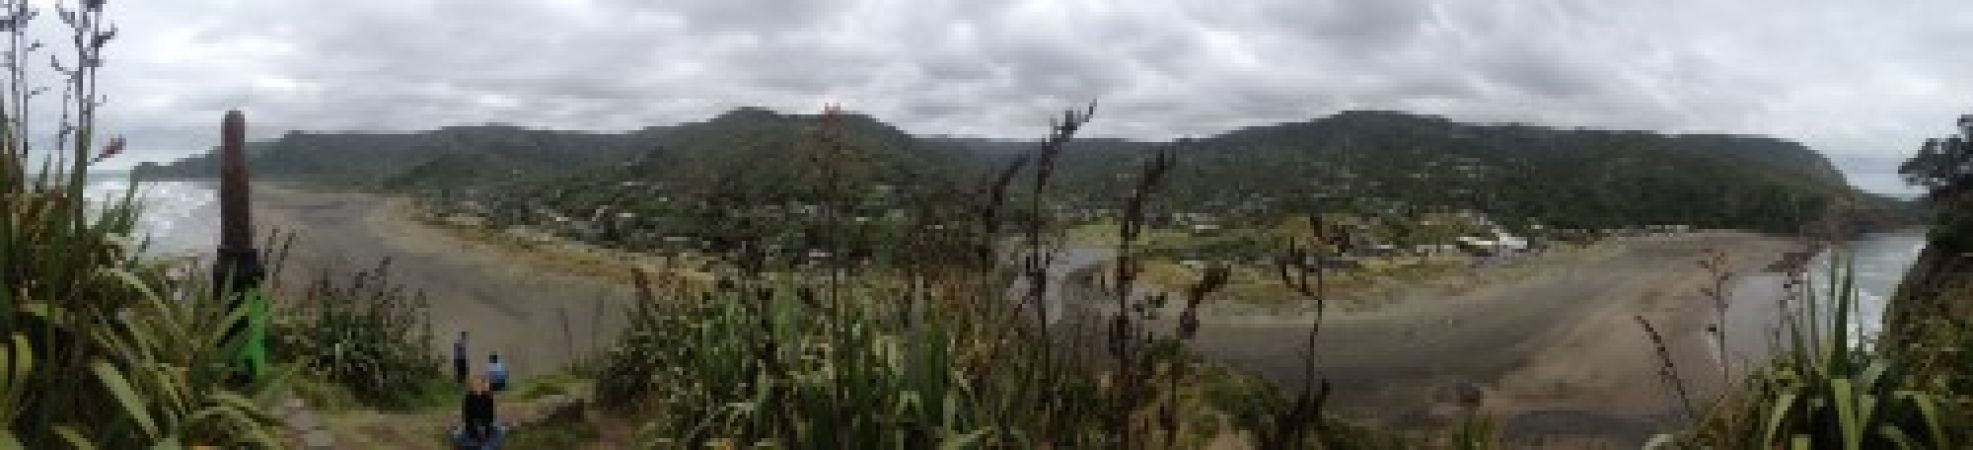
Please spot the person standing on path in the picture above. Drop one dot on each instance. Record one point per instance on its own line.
(459, 365)
(497, 372)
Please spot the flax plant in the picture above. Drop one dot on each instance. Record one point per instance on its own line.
(103, 347)
(1827, 388)
(1281, 423)
(365, 333)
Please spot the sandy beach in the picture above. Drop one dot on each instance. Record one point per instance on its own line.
(1556, 357)
(537, 319)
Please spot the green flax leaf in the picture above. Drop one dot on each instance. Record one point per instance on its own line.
(133, 404)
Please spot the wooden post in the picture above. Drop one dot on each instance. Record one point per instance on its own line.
(236, 220)
(237, 270)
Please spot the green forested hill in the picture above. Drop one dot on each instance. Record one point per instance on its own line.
(1365, 161)
(1397, 163)
(451, 156)
(757, 154)
(746, 174)
(741, 145)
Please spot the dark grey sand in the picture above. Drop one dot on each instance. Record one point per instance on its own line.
(1556, 357)
(491, 291)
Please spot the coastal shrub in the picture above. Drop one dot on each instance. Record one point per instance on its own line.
(769, 364)
(753, 365)
(1928, 320)
(1827, 387)
(1938, 351)
(135, 356)
(101, 346)
(366, 334)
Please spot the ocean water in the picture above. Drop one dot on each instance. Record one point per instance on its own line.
(1880, 261)
(179, 217)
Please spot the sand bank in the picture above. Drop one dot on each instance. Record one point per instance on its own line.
(1556, 355)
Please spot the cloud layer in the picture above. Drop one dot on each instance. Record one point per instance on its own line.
(1863, 81)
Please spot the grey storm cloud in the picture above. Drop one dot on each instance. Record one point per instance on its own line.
(1864, 81)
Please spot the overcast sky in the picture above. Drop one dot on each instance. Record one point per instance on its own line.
(1862, 81)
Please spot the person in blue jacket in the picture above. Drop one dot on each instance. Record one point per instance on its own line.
(496, 372)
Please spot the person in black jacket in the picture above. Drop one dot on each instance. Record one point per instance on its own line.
(479, 429)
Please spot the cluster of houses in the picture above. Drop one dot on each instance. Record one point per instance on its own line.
(660, 223)
(1479, 238)
(655, 221)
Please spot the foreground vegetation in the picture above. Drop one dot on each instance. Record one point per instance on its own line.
(951, 345)
(1829, 386)
(104, 347)
(956, 351)
(361, 340)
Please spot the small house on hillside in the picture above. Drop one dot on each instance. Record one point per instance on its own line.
(1479, 247)
(1508, 243)
(1434, 249)
(1344, 262)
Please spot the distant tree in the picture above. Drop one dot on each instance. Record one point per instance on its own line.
(1943, 166)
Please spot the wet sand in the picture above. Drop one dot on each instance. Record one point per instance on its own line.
(1557, 357)
(538, 320)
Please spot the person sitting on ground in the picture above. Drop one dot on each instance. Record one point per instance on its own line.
(478, 426)
(497, 371)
